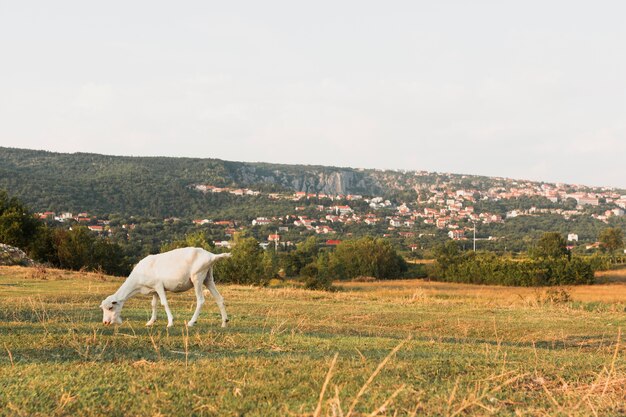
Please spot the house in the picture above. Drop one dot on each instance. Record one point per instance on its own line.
(456, 234)
(403, 209)
(572, 237)
(584, 199)
(395, 222)
(222, 244)
(414, 247)
(324, 230)
(342, 209)
(98, 229)
(332, 242)
(261, 221)
(304, 222)
(442, 222)
(273, 238)
(227, 223)
(66, 216)
(512, 214)
(200, 222)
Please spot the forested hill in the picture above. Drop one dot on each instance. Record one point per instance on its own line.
(166, 187)
(157, 186)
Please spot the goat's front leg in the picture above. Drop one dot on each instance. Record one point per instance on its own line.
(197, 285)
(170, 318)
(154, 310)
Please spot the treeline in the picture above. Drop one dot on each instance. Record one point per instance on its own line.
(77, 248)
(315, 265)
(549, 263)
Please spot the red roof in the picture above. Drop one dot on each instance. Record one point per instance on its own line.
(332, 242)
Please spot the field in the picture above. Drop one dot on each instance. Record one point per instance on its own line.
(383, 348)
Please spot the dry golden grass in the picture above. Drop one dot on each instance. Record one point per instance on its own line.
(383, 348)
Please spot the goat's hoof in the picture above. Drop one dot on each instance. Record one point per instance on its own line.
(170, 324)
(223, 324)
(191, 323)
(150, 323)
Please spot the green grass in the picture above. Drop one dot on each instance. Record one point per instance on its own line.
(461, 350)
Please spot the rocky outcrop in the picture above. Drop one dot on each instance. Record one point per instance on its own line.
(10, 255)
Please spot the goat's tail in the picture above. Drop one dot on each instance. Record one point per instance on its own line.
(220, 256)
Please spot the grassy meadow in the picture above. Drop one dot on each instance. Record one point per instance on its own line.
(391, 348)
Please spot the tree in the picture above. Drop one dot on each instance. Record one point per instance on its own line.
(551, 245)
(318, 274)
(247, 265)
(368, 257)
(447, 255)
(197, 240)
(74, 248)
(18, 226)
(611, 239)
(305, 253)
(79, 248)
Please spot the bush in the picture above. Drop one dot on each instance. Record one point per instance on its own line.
(488, 268)
(367, 256)
(247, 265)
(79, 249)
(18, 227)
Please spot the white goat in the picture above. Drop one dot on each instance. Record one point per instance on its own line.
(177, 271)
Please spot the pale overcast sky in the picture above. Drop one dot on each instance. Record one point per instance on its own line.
(523, 89)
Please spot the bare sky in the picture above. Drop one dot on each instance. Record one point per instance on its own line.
(524, 89)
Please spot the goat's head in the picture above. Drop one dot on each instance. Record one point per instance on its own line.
(111, 311)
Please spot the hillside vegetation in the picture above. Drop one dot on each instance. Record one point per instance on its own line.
(383, 348)
(155, 186)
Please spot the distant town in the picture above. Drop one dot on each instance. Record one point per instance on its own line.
(444, 206)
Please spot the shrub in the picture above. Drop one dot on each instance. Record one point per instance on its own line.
(367, 256)
(247, 265)
(488, 268)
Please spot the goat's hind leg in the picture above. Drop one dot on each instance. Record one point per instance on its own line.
(219, 300)
(197, 286)
(155, 299)
(170, 318)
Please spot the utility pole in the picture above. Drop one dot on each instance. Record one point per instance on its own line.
(474, 236)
